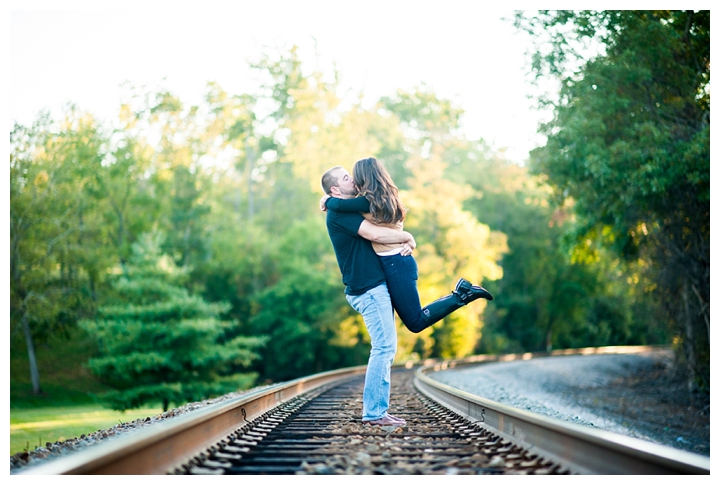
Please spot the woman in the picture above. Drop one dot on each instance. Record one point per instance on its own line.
(379, 202)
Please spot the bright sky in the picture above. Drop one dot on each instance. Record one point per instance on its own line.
(75, 51)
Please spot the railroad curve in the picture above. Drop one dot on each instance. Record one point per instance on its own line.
(312, 426)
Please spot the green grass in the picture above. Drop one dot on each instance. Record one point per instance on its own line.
(31, 428)
(68, 406)
(64, 379)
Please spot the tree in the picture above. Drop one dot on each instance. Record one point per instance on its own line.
(178, 178)
(125, 185)
(452, 242)
(628, 151)
(310, 326)
(545, 299)
(232, 134)
(55, 234)
(159, 343)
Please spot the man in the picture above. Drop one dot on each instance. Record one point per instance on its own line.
(365, 289)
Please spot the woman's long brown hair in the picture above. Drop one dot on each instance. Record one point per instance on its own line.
(374, 182)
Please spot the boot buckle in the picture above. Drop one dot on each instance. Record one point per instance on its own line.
(462, 296)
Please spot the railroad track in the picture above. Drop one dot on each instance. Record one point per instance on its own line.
(312, 426)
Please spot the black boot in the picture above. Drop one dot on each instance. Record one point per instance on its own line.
(464, 293)
(442, 307)
(469, 292)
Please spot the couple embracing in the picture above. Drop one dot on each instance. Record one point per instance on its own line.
(365, 224)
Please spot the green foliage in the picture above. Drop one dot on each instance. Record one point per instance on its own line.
(628, 152)
(234, 184)
(301, 311)
(52, 276)
(544, 299)
(423, 113)
(162, 344)
(452, 243)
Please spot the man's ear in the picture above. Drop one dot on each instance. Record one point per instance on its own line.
(334, 191)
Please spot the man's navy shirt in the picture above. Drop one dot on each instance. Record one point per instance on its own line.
(360, 266)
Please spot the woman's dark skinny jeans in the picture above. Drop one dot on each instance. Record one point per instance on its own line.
(401, 274)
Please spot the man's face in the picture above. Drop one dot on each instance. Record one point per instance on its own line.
(346, 185)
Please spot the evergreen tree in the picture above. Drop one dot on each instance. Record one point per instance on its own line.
(303, 312)
(159, 343)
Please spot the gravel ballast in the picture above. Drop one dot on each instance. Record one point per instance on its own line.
(637, 395)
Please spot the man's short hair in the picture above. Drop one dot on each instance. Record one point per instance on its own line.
(329, 179)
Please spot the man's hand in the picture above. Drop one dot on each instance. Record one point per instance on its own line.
(410, 243)
(322, 202)
(406, 249)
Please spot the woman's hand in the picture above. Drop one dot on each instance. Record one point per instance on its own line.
(322, 202)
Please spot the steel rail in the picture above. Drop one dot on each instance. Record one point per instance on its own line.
(582, 449)
(158, 449)
(163, 446)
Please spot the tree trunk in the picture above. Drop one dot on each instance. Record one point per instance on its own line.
(249, 168)
(34, 373)
(689, 337)
(548, 338)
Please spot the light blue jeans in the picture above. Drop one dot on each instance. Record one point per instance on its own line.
(379, 317)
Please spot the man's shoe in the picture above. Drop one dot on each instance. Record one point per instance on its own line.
(384, 421)
(468, 292)
(400, 421)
